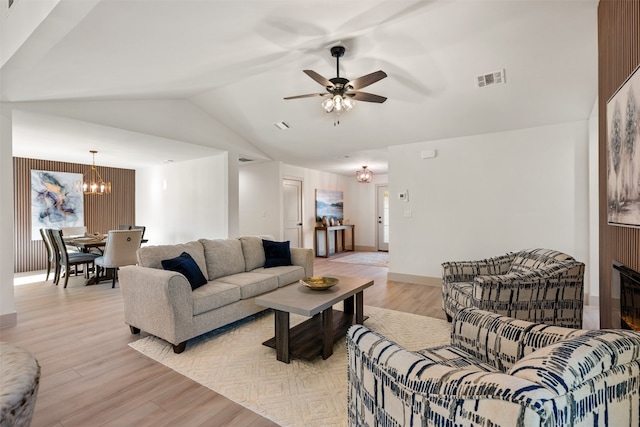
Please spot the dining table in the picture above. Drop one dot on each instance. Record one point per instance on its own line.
(87, 244)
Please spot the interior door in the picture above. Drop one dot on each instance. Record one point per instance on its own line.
(292, 211)
(382, 212)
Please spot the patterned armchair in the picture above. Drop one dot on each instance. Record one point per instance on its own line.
(497, 371)
(538, 285)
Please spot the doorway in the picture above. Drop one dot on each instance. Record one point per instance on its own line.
(292, 211)
(382, 213)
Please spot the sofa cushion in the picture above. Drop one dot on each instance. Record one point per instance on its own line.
(251, 284)
(185, 265)
(152, 256)
(214, 295)
(223, 257)
(286, 274)
(454, 357)
(276, 253)
(253, 252)
(532, 260)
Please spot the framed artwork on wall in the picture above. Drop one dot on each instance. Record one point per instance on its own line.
(623, 154)
(56, 201)
(330, 204)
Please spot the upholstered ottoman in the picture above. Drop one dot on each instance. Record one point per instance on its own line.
(19, 380)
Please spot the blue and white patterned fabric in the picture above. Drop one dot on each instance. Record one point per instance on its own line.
(538, 285)
(497, 371)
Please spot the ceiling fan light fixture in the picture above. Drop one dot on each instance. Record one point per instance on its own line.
(364, 175)
(337, 100)
(348, 102)
(328, 105)
(342, 90)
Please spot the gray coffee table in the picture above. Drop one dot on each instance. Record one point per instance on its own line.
(326, 326)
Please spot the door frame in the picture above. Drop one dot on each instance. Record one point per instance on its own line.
(377, 205)
(301, 225)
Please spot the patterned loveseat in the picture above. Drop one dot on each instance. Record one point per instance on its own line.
(497, 371)
(538, 285)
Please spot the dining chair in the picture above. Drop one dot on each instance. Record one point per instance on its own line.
(139, 227)
(124, 227)
(73, 231)
(66, 260)
(51, 258)
(120, 250)
(69, 232)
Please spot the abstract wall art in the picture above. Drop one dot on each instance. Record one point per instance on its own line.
(623, 154)
(330, 204)
(56, 201)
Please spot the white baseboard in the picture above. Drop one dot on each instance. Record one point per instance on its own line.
(8, 320)
(419, 280)
(366, 249)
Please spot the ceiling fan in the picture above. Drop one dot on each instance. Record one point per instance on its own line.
(343, 92)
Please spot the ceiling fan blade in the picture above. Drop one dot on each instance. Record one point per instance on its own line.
(367, 97)
(309, 95)
(367, 80)
(317, 77)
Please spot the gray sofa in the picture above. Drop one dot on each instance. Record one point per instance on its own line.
(162, 302)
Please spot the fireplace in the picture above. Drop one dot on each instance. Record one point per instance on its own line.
(625, 297)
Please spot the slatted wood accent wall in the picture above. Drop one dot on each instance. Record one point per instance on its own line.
(618, 56)
(101, 213)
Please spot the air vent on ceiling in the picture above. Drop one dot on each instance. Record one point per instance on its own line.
(282, 125)
(495, 78)
(244, 160)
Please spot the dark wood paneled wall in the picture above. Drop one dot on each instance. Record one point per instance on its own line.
(101, 213)
(618, 56)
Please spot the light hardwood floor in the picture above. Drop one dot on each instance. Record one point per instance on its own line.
(90, 376)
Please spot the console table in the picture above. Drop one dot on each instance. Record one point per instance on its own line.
(334, 230)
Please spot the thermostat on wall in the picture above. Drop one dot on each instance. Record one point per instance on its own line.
(404, 195)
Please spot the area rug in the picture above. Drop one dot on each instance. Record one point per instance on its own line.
(235, 364)
(378, 259)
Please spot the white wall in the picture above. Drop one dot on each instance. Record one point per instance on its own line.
(485, 195)
(261, 197)
(184, 201)
(362, 209)
(313, 180)
(260, 209)
(7, 310)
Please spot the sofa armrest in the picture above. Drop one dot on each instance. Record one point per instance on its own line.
(501, 341)
(388, 385)
(564, 366)
(303, 257)
(158, 302)
(465, 271)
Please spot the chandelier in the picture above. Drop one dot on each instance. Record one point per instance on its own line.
(364, 175)
(93, 182)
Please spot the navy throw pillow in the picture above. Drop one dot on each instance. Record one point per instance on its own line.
(276, 253)
(186, 265)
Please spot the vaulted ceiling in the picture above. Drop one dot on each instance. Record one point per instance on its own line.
(237, 60)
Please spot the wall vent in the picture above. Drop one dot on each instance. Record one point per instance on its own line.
(282, 125)
(495, 78)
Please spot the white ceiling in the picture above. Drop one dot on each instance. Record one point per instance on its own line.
(237, 59)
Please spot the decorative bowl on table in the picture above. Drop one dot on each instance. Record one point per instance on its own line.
(319, 283)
